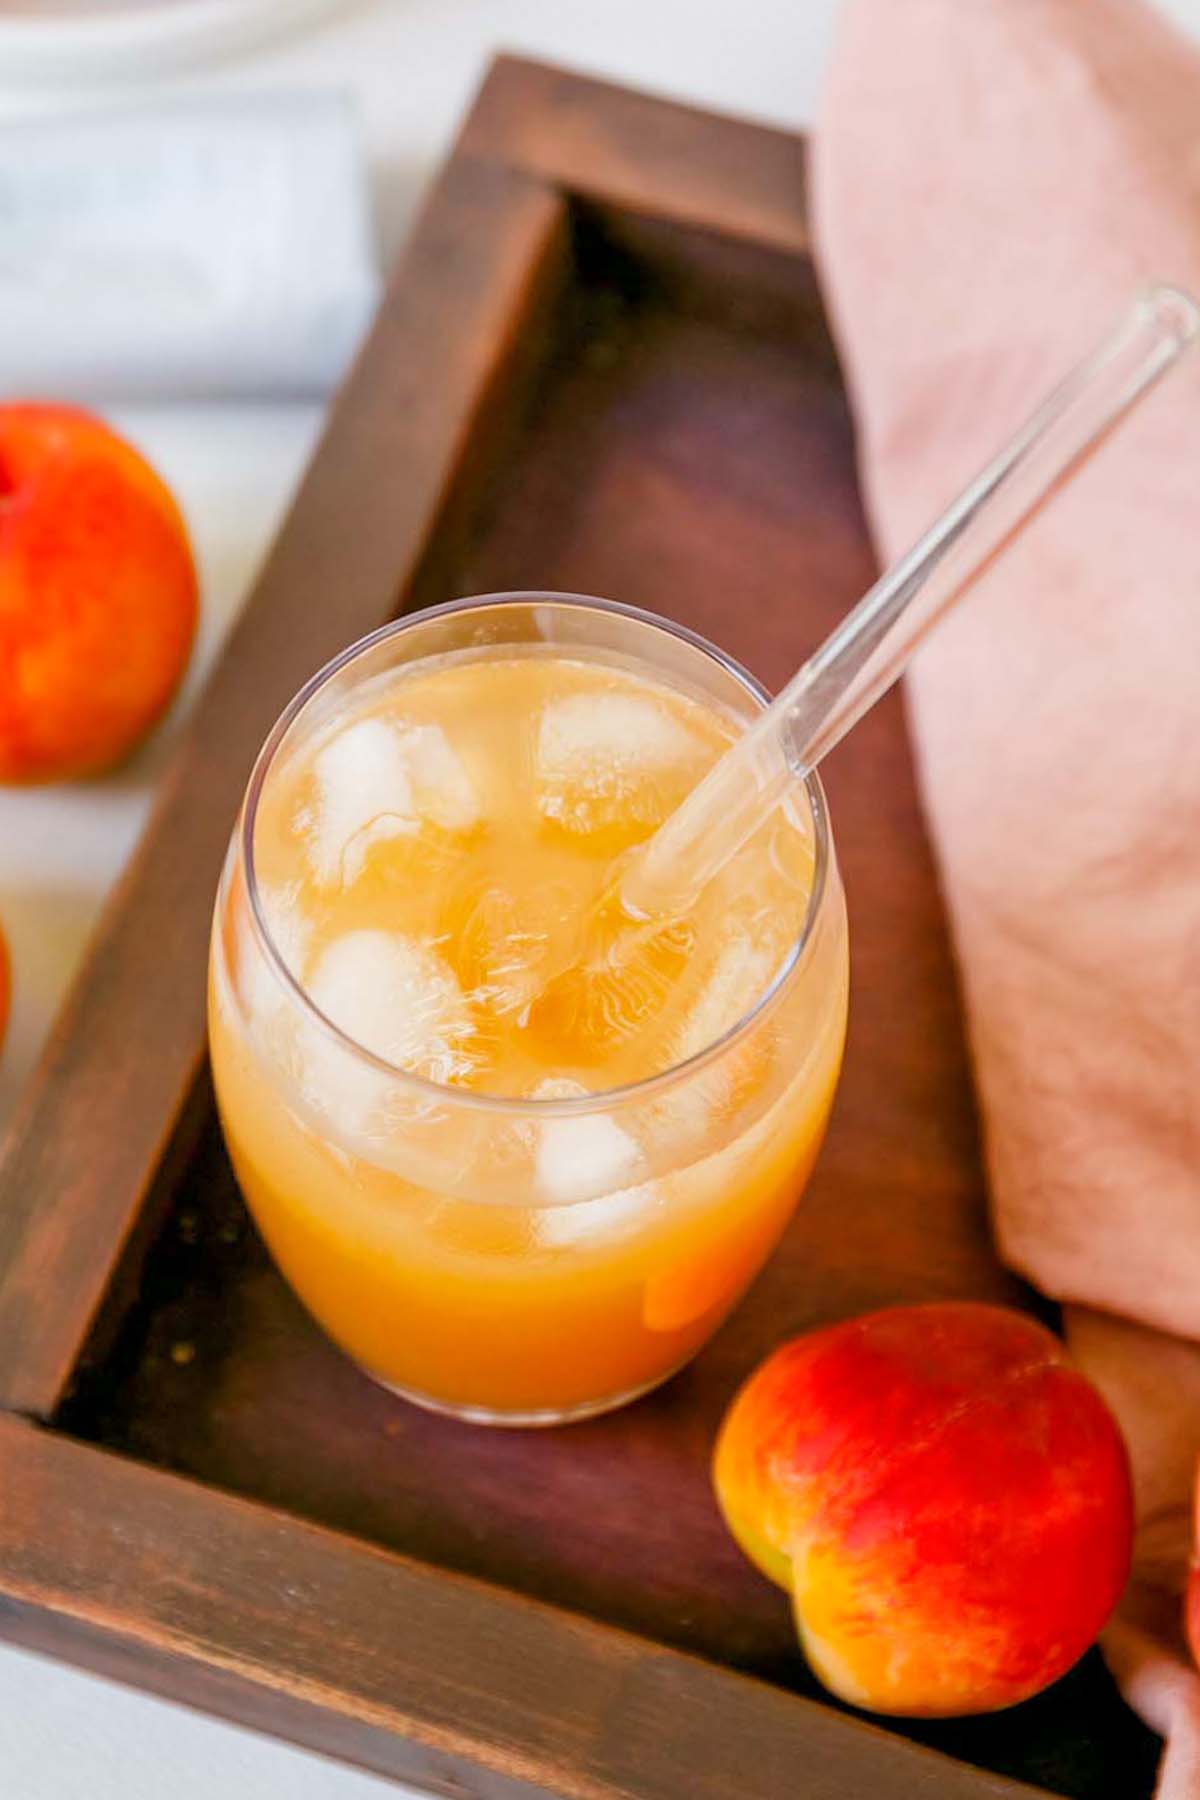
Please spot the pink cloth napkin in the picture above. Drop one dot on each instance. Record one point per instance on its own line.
(993, 181)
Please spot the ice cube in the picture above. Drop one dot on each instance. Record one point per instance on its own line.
(563, 1227)
(577, 1161)
(364, 795)
(501, 939)
(398, 999)
(375, 781)
(600, 757)
(740, 975)
(442, 786)
(578, 1158)
(679, 1119)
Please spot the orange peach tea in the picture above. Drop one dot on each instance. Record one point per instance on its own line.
(511, 1200)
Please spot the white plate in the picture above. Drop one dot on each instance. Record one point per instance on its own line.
(91, 40)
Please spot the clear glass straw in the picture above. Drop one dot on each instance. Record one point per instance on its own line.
(870, 648)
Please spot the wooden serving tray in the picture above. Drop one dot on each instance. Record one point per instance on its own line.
(602, 366)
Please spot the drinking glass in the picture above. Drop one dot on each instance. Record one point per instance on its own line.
(413, 1218)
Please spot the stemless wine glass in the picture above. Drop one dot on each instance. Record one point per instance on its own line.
(520, 1260)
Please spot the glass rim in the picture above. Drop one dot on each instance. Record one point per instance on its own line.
(560, 1106)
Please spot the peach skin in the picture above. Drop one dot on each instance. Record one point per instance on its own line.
(946, 1499)
(97, 595)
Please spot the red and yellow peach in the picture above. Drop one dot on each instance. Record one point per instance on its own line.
(97, 594)
(946, 1499)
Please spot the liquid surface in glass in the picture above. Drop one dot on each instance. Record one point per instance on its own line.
(419, 855)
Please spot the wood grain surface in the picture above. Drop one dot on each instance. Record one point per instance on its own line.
(412, 1672)
(637, 154)
(633, 394)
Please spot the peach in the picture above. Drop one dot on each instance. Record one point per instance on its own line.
(97, 594)
(945, 1498)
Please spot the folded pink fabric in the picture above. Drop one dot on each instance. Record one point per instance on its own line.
(993, 181)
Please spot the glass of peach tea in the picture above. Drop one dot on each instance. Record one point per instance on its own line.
(514, 1211)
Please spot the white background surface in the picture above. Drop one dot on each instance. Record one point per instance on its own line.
(412, 65)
